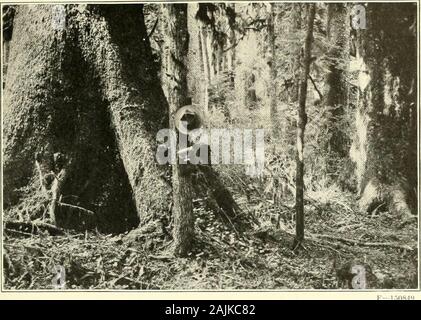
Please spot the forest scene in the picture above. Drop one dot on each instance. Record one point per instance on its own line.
(210, 146)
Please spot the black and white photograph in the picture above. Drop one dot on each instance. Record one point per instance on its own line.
(210, 146)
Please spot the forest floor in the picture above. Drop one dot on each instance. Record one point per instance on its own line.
(336, 233)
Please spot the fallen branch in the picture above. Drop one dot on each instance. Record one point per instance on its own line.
(25, 234)
(365, 244)
(327, 245)
(141, 284)
(38, 250)
(153, 28)
(315, 87)
(157, 257)
(30, 228)
(77, 208)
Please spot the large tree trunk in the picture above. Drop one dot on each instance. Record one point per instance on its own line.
(123, 65)
(335, 87)
(384, 147)
(301, 125)
(83, 104)
(178, 45)
(67, 88)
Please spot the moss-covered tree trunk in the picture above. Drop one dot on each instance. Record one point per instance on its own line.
(335, 86)
(385, 145)
(177, 38)
(272, 66)
(121, 58)
(88, 90)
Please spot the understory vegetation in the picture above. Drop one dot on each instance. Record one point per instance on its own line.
(336, 233)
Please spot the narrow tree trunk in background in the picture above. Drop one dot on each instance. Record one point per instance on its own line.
(6, 50)
(250, 98)
(206, 64)
(272, 66)
(196, 71)
(301, 124)
(178, 44)
(208, 184)
(296, 30)
(211, 54)
(335, 87)
(231, 43)
(219, 58)
(386, 119)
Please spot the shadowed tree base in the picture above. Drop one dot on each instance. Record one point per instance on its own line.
(90, 92)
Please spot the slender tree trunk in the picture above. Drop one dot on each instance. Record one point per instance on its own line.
(211, 54)
(196, 70)
(296, 64)
(218, 58)
(301, 124)
(206, 181)
(231, 44)
(206, 64)
(386, 118)
(178, 44)
(250, 98)
(272, 66)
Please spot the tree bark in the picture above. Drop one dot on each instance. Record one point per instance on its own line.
(206, 65)
(136, 101)
(301, 124)
(296, 28)
(196, 76)
(50, 105)
(232, 40)
(335, 87)
(178, 45)
(386, 120)
(250, 98)
(211, 55)
(272, 66)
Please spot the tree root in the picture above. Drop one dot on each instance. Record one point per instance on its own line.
(30, 228)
